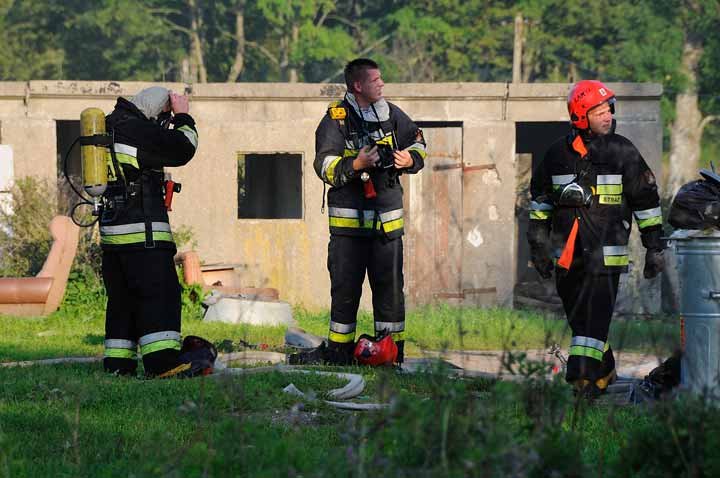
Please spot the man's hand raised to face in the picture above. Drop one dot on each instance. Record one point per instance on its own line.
(179, 103)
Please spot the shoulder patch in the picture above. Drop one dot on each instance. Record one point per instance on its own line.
(337, 111)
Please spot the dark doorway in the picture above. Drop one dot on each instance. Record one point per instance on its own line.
(269, 186)
(532, 142)
(66, 132)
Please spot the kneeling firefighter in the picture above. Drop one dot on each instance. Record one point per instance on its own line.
(148, 132)
(584, 194)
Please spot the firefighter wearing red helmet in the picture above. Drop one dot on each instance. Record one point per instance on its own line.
(585, 193)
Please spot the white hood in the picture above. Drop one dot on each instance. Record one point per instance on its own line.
(369, 114)
(151, 101)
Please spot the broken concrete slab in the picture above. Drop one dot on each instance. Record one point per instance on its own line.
(239, 310)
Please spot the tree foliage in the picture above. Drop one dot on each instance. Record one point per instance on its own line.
(310, 40)
(413, 40)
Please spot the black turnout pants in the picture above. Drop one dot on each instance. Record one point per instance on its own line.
(143, 298)
(349, 258)
(589, 302)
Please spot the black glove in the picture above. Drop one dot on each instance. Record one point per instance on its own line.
(654, 263)
(541, 260)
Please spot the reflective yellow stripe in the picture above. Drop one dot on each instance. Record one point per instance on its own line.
(350, 152)
(422, 152)
(160, 345)
(135, 237)
(586, 352)
(330, 172)
(616, 260)
(653, 221)
(190, 134)
(127, 159)
(602, 383)
(341, 338)
(391, 226)
(111, 167)
(540, 215)
(171, 373)
(350, 222)
(612, 189)
(611, 199)
(120, 353)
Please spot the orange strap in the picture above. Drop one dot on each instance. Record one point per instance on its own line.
(579, 146)
(569, 250)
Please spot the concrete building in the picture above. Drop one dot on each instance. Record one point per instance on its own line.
(253, 200)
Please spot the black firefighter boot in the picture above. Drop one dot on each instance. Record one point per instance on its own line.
(197, 357)
(334, 353)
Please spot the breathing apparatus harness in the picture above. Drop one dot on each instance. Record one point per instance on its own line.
(96, 143)
(104, 181)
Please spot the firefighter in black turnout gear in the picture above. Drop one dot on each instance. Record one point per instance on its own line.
(584, 195)
(362, 145)
(152, 130)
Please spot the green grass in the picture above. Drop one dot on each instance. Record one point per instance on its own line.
(77, 421)
(80, 332)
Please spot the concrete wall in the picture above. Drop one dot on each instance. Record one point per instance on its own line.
(290, 254)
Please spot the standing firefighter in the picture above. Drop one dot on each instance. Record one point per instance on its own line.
(142, 286)
(584, 195)
(363, 144)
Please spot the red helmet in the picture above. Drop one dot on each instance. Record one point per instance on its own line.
(584, 96)
(371, 351)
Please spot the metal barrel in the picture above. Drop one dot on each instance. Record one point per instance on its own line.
(698, 261)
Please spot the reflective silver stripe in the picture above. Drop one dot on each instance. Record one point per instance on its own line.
(540, 206)
(342, 328)
(391, 215)
(158, 336)
(648, 213)
(563, 179)
(120, 344)
(349, 145)
(190, 134)
(135, 227)
(417, 146)
(126, 149)
(326, 163)
(588, 342)
(376, 134)
(344, 212)
(609, 179)
(350, 213)
(615, 250)
(390, 326)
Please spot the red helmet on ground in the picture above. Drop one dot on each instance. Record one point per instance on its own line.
(586, 95)
(371, 351)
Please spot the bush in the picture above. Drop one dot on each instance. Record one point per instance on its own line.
(469, 427)
(24, 236)
(85, 287)
(681, 438)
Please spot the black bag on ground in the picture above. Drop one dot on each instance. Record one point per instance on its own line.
(662, 378)
(697, 204)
